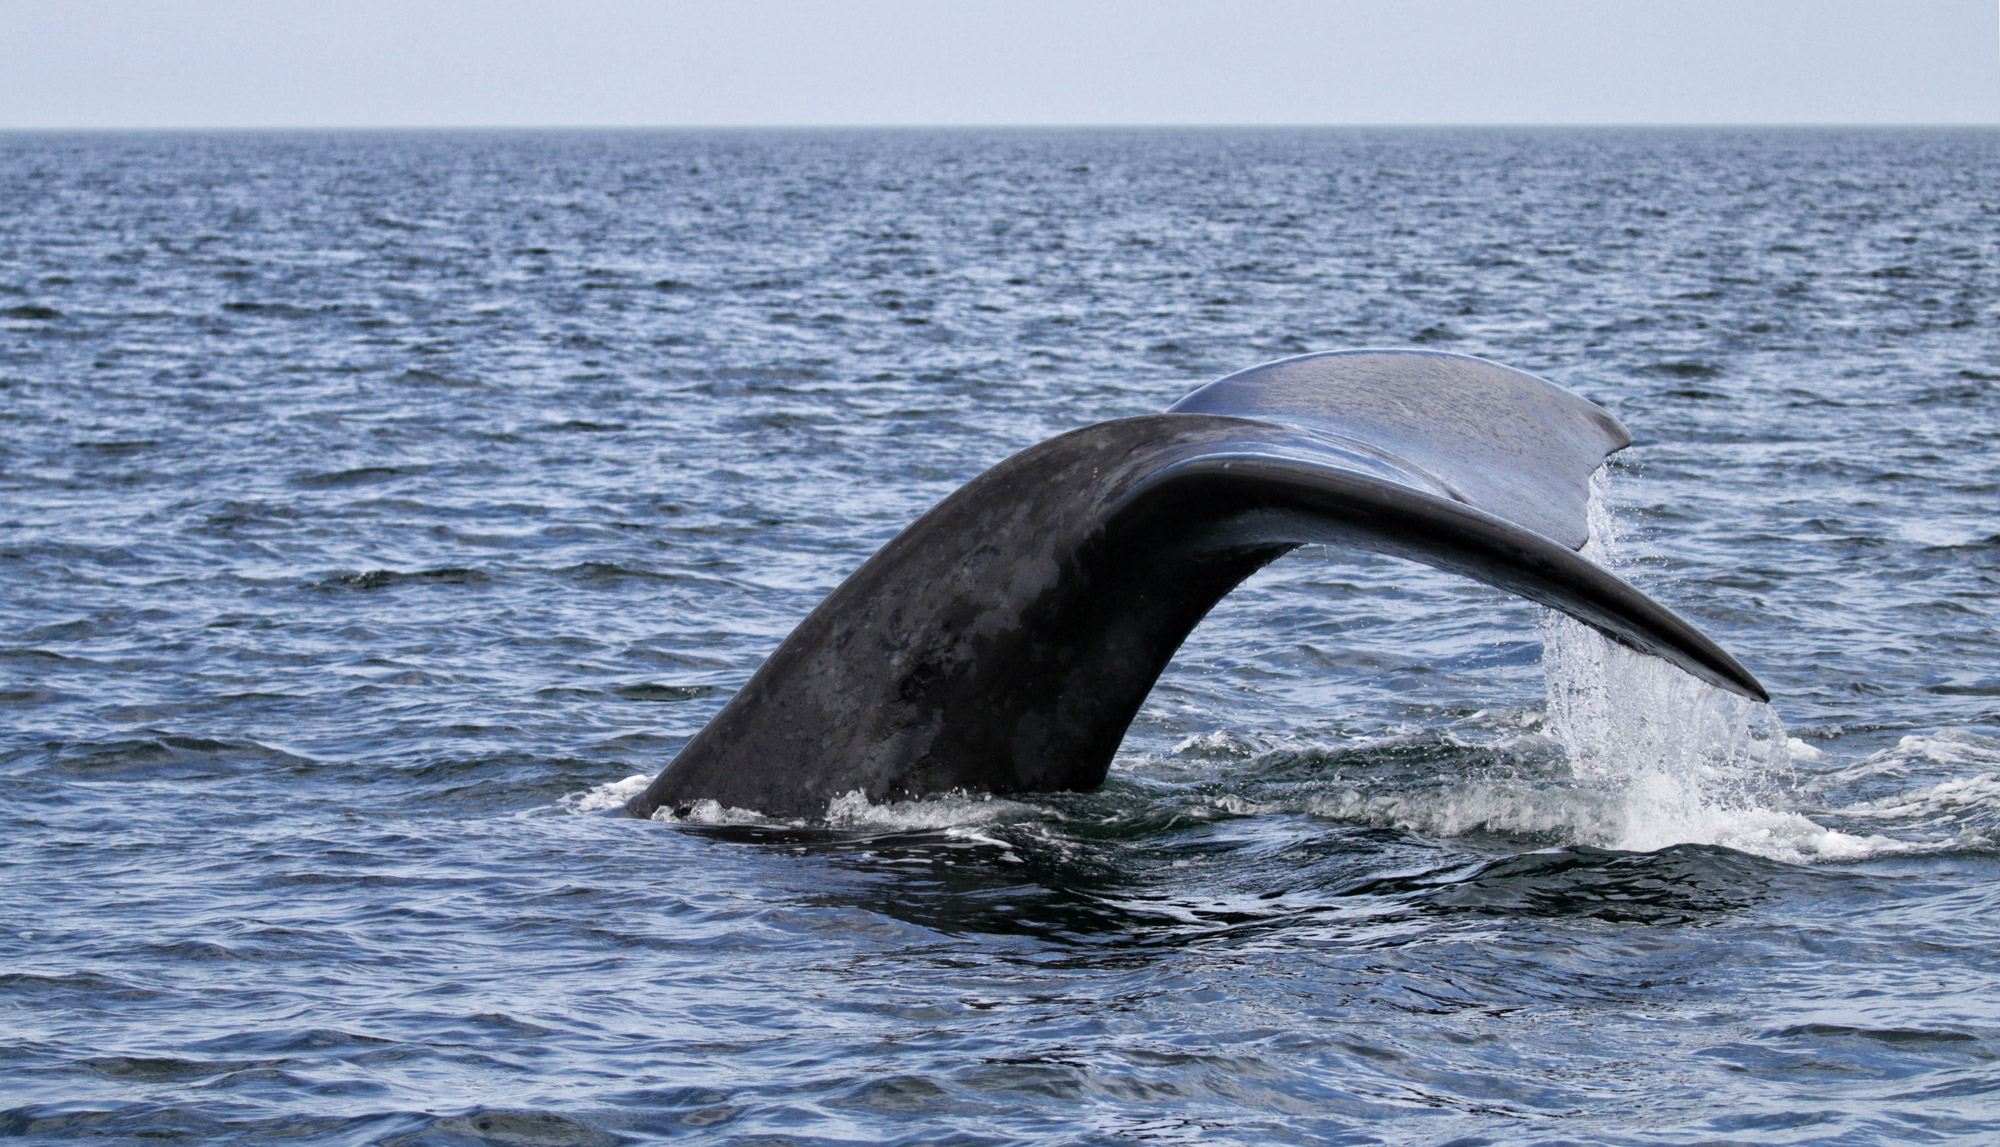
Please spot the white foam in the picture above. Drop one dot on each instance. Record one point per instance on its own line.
(1953, 747)
(1582, 815)
(711, 812)
(1467, 807)
(1960, 812)
(954, 810)
(611, 795)
(1219, 744)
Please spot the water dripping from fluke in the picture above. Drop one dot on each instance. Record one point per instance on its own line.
(1664, 758)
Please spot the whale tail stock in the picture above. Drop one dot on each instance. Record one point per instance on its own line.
(1005, 640)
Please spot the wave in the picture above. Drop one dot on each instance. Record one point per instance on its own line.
(1959, 813)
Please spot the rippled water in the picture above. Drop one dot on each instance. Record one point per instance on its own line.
(375, 505)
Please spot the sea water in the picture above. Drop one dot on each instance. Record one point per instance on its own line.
(378, 511)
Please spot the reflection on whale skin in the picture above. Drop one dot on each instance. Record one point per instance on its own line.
(1004, 641)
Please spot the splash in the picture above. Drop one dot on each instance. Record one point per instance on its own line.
(611, 794)
(1683, 761)
(617, 794)
(1664, 758)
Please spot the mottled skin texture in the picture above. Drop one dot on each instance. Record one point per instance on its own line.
(1004, 641)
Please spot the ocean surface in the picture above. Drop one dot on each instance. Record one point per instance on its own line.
(378, 510)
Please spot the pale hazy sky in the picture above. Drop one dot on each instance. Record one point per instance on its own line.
(284, 63)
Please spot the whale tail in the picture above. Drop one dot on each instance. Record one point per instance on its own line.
(1005, 640)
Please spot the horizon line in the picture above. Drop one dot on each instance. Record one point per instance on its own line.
(1151, 126)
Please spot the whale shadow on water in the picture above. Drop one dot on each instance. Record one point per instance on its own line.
(1003, 642)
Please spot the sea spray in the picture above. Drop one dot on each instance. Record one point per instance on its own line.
(1684, 761)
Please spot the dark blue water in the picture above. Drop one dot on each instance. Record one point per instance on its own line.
(372, 506)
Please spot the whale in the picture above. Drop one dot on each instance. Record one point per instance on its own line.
(1004, 641)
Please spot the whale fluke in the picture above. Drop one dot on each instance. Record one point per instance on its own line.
(1004, 641)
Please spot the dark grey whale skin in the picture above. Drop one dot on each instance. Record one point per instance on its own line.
(1004, 641)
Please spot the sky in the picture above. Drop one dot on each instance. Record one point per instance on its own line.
(535, 63)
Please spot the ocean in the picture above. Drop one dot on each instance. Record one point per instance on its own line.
(379, 510)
